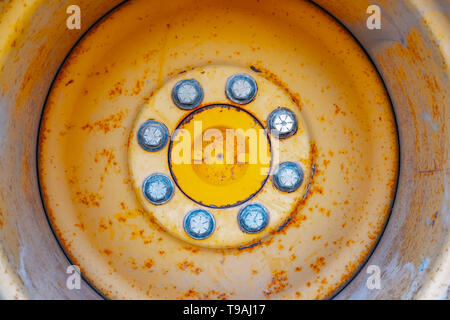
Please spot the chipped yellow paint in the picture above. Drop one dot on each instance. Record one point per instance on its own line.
(117, 68)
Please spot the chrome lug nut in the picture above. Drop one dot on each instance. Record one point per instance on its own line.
(199, 224)
(153, 135)
(187, 94)
(282, 123)
(158, 188)
(253, 218)
(241, 88)
(288, 177)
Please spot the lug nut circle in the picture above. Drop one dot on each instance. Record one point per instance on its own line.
(197, 96)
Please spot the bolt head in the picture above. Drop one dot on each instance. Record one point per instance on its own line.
(288, 177)
(153, 136)
(187, 94)
(199, 224)
(282, 123)
(253, 218)
(241, 88)
(158, 188)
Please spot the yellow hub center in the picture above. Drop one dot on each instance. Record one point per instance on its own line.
(214, 168)
(220, 156)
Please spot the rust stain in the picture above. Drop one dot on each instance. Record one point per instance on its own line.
(109, 158)
(117, 89)
(275, 79)
(190, 266)
(318, 265)
(191, 294)
(191, 249)
(148, 265)
(278, 283)
(210, 295)
(214, 295)
(88, 199)
(105, 125)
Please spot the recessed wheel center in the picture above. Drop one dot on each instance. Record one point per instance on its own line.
(220, 157)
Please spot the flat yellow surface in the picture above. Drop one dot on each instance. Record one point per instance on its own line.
(232, 175)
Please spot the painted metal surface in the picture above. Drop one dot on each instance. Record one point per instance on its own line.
(411, 52)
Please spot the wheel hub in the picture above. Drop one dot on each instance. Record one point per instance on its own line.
(220, 157)
(230, 158)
